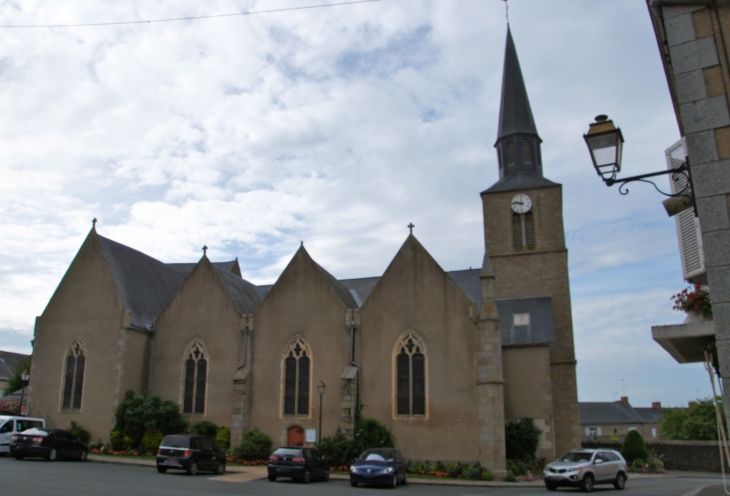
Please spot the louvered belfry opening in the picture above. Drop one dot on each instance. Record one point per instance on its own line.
(523, 231)
(526, 151)
(196, 376)
(297, 366)
(510, 152)
(73, 383)
(411, 377)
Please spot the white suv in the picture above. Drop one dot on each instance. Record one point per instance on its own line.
(586, 467)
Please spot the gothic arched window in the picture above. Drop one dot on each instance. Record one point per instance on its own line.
(195, 373)
(73, 378)
(410, 376)
(297, 364)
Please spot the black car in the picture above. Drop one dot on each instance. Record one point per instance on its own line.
(303, 464)
(384, 466)
(50, 444)
(190, 453)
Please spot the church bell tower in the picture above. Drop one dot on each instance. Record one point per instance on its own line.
(525, 242)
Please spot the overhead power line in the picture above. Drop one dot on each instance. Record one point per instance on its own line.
(191, 18)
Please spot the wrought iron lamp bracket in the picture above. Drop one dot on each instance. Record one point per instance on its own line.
(687, 193)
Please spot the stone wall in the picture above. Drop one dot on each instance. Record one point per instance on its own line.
(695, 456)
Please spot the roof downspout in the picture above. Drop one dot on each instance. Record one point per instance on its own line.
(149, 358)
(246, 331)
(353, 362)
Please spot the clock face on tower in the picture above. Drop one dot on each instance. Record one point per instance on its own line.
(521, 204)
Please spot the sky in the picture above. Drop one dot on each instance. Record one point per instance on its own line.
(336, 126)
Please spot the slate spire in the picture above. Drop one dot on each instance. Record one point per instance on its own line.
(518, 144)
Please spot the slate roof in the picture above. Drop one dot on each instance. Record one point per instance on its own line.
(342, 292)
(649, 414)
(187, 268)
(540, 330)
(520, 180)
(515, 114)
(247, 296)
(145, 285)
(609, 413)
(360, 288)
(8, 363)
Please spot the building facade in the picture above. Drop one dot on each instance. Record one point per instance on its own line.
(443, 359)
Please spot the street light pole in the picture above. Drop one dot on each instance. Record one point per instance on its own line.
(321, 387)
(24, 379)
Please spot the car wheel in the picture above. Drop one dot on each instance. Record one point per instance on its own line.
(353, 484)
(550, 486)
(307, 476)
(82, 456)
(193, 468)
(272, 478)
(586, 484)
(18, 457)
(620, 481)
(327, 475)
(395, 481)
(161, 470)
(52, 456)
(220, 469)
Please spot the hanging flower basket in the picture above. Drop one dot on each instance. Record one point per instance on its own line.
(694, 301)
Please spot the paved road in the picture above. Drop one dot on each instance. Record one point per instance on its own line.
(38, 477)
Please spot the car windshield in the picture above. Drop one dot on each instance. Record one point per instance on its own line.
(176, 442)
(377, 455)
(576, 456)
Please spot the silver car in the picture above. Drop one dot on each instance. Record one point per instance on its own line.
(585, 468)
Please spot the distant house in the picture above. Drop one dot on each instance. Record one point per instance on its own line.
(8, 363)
(616, 419)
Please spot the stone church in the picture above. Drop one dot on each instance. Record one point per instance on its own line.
(442, 358)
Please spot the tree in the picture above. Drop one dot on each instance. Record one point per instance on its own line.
(137, 414)
(521, 439)
(696, 423)
(15, 382)
(634, 447)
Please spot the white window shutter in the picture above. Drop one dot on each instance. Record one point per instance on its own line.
(688, 226)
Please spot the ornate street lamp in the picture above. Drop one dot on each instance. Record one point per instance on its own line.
(24, 378)
(605, 142)
(321, 387)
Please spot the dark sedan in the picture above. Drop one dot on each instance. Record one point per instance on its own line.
(303, 464)
(384, 466)
(50, 444)
(190, 453)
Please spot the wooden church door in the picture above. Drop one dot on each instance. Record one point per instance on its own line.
(295, 436)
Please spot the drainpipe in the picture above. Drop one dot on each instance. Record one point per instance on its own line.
(352, 361)
(149, 357)
(245, 347)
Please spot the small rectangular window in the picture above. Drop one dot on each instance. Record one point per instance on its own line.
(521, 319)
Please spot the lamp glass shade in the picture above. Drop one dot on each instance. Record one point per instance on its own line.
(606, 153)
(25, 377)
(321, 387)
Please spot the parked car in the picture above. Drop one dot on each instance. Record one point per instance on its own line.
(190, 453)
(50, 444)
(11, 425)
(383, 466)
(302, 464)
(585, 468)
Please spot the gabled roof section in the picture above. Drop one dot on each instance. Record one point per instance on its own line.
(609, 413)
(145, 285)
(245, 295)
(515, 114)
(340, 290)
(361, 288)
(520, 181)
(9, 361)
(187, 268)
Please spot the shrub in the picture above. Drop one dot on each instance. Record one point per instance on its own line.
(116, 438)
(521, 439)
(137, 414)
(453, 469)
(255, 445)
(487, 475)
(152, 440)
(339, 449)
(78, 431)
(204, 428)
(634, 447)
(223, 439)
(369, 433)
(474, 473)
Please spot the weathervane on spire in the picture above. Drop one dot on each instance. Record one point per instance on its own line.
(506, 10)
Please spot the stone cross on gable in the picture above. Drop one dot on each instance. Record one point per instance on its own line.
(411, 226)
(205, 250)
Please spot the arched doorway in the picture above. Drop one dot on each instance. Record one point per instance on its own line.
(295, 436)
